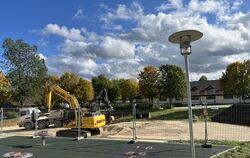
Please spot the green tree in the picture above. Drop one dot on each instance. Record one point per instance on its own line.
(172, 82)
(114, 90)
(26, 71)
(84, 91)
(5, 89)
(236, 79)
(100, 82)
(148, 82)
(80, 88)
(54, 79)
(203, 78)
(129, 89)
(69, 82)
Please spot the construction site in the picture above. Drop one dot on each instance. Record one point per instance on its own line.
(125, 79)
(116, 133)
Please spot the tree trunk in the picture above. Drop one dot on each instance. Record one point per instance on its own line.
(243, 99)
(152, 101)
(170, 101)
(21, 103)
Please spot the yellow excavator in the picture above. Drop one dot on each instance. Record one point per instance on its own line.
(90, 121)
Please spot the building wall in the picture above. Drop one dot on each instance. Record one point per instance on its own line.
(201, 99)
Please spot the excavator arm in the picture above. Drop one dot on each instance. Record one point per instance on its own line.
(51, 88)
(102, 98)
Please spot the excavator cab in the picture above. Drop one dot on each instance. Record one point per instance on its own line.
(69, 116)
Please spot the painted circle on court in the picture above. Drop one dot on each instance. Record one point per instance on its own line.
(149, 148)
(17, 154)
(142, 154)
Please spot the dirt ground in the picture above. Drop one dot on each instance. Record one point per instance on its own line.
(161, 130)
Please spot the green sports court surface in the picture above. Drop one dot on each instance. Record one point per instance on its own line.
(99, 148)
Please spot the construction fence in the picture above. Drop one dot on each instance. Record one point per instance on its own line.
(135, 123)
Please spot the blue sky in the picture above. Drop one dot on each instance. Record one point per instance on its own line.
(119, 38)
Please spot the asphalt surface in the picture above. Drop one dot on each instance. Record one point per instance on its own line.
(96, 148)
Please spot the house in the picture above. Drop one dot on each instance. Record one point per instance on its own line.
(209, 92)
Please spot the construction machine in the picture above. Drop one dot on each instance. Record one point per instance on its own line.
(90, 121)
(102, 101)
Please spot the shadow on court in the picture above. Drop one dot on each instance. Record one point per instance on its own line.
(96, 148)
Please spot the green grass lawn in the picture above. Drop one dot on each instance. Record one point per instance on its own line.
(242, 149)
(239, 149)
(240, 152)
(174, 114)
(182, 114)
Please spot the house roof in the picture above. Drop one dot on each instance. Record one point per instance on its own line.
(203, 87)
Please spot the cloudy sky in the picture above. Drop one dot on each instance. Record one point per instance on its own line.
(118, 38)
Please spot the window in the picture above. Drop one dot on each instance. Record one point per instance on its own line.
(195, 98)
(23, 113)
(194, 88)
(179, 99)
(211, 97)
(210, 88)
(228, 96)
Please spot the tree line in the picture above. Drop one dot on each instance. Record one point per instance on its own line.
(25, 73)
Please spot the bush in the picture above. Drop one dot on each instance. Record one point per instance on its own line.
(11, 114)
(168, 106)
(128, 106)
(123, 106)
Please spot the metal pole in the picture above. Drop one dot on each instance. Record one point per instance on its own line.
(36, 117)
(1, 120)
(189, 108)
(134, 122)
(79, 137)
(206, 143)
(44, 142)
(206, 137)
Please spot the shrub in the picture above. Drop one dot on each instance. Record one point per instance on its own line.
(11, 114)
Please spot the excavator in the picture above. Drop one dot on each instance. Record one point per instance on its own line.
(90, 120)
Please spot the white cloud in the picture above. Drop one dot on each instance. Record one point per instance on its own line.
(125, 68)
(123, 55)
(237, 4)
(73, 34)
(116, 48)
(42, 56)
(236, 57)
(173, 4)
(123, 12)
(209, 6)
(65, 63)
(106, 48)
(78, 15)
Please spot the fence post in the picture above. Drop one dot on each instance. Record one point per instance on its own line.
(134, 123)
(205, 114)
(35, 117)
(1, 121)
(79, 137)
